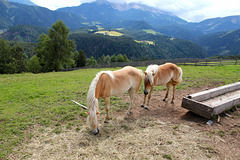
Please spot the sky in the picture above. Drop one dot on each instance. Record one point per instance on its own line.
(189, 10)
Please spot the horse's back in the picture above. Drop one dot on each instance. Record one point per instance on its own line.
(169, 72)
(118, 82)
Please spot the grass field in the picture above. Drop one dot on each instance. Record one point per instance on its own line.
(28, 100)
(109, 33)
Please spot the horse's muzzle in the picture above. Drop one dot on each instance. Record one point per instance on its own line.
(146, 92)
(95, 131)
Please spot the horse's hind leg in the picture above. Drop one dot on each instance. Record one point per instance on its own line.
(173, 96)
(132, 95)
(107, 103)
(168, 87)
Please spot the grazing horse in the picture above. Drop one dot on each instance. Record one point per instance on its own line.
(111, 83)
(168, 73)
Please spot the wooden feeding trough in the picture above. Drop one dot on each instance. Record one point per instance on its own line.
(214, 101)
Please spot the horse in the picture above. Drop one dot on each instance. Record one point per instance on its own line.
(111, 83)
(168, 73)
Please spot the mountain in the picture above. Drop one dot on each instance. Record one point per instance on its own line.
(27, 2)
(217, 24)
(12, 14)
(107, 14)
(221, 43)
(25, 33)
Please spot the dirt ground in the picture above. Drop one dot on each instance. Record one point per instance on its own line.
(227, 130)
(165, 131)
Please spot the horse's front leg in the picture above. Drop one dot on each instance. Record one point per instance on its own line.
(149, 97)
(107, 103)
(144, 101)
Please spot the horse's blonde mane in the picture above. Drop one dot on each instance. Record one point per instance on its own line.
(151, 69)
(92, 102)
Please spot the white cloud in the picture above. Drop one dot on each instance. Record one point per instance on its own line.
(55, 4)
(190, 10)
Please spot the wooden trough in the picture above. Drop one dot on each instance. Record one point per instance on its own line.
(214, 101)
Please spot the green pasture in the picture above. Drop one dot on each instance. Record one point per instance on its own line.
(44, 100)
(110, 33)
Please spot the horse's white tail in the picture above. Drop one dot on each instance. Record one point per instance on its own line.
(92, 102)
(180, 75)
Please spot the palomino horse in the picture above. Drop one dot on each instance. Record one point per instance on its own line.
(111, 83)
(155, 75)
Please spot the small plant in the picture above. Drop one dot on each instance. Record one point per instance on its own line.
(175, 127)
(57, 130)
(167, 156)
(221, 133)
(124, 126)
(174, 133)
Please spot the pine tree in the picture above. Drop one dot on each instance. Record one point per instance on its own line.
(82, 59)
(55, 50)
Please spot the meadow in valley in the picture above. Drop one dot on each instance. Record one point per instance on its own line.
(38, 120)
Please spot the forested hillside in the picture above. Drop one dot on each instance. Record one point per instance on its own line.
(164, 47)
(222, 43)
(25, 33)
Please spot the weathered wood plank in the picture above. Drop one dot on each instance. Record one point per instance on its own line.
(226, 105)
(201, 96)
(197, 107)
(213, 102)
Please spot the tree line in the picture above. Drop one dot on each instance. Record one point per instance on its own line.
(54, 51)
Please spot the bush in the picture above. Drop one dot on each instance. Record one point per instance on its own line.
(33, 65)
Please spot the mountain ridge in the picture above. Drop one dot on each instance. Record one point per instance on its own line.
(12, 13)
(27, 2)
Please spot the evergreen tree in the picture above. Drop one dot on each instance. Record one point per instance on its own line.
(125, 58)
(19, 59)
(76, 58)
(5, 55)
(113, 58)
(55, 50)
(107, 59)
(91, 61)
(120, 58)
(82, 59)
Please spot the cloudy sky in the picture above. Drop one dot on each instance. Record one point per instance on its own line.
(190, 10)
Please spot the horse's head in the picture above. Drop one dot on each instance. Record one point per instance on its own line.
(92, 121)
(149, 77)
(148, 81)
(93, 115)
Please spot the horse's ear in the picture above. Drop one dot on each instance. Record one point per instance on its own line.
(145, 73)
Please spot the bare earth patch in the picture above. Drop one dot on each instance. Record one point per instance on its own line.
(165, 131)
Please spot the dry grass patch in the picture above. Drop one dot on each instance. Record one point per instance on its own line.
(147, 138)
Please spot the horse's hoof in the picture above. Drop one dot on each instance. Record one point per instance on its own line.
(142, 106)
(164, 99)
(106, 121)
(172, 102)
(146, 108)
